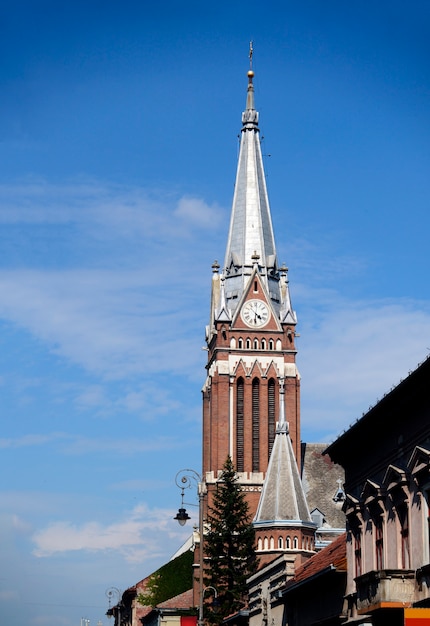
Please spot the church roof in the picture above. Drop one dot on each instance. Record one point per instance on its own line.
(251, 240)
(282, 498)
(321, 480)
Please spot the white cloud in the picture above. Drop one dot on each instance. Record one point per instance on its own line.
(353, 353)
(198, 212)
(98, 319)
(9, 595)
(31, 440)
(147, 317)
(106, 208)
(142, 535)
(76, 444)
(112, 322)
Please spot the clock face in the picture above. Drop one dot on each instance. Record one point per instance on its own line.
(255, 313)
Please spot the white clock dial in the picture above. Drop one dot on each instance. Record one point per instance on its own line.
(255, 313)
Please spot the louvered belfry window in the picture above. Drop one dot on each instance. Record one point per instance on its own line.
(239, 425)
(271, 413)
(255, 425)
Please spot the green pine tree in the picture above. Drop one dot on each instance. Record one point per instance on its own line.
(229, 547)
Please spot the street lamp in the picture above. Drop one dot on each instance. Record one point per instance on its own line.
(185, 479)
(214, 591)
(113, 594)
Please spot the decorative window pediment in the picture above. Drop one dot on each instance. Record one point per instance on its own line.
(396, 483)
(352, 511)
(372, 497)
(419, 465)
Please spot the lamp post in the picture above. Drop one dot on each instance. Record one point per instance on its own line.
(113, 594)
(185, 479)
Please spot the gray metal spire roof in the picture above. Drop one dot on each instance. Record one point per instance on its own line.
(282, 498)
(251, 233)
(251, 229)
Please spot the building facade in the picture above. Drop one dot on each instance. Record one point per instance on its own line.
(386, 456)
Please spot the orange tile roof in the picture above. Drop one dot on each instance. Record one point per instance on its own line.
(182, 601)
(334, 554)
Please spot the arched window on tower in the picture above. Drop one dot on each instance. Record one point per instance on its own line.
(248, 344)
(271, 344)
(271, 413)
(255, 344)
(255, 425)
(263, 344)
(239, 425)
(240, 343)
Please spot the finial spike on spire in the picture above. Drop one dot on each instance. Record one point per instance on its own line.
(251, 52)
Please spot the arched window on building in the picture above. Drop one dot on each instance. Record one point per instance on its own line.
(280, 543)
(403, 515)
(240, 343)
(248, 344)
(255, 344)
(356, 533)
(240, 425)
(263, 344)
(379, 542)
(255, 425)
(271, 344)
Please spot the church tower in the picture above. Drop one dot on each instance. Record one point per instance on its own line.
(252, 376)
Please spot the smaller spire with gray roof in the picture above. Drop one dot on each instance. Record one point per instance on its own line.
(282, 511)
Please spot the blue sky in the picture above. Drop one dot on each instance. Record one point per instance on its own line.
(118, 145)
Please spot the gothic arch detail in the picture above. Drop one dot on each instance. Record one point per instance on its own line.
(271, 404)
(240, 424)
(255, 425)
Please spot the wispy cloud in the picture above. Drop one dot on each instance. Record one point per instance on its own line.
(125, 277)
(352, 352)
(196, 211)
(31, 440)
(116, 210)
(76, 444)
(145, 316)
(142, 534)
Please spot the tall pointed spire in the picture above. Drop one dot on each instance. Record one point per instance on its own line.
(251, 334)
(251, 231)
